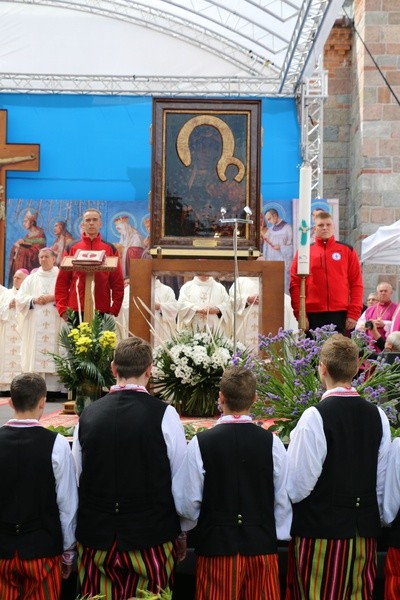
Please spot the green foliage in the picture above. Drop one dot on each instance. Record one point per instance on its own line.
(191, 431)
(86, 352)
(288, 382)
(65, 431)
(146, 595)
(88, 597)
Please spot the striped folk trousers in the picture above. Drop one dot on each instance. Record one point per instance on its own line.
(118, 574)
(321, 569)
(36, 579)
(237, 577)
(392, 574)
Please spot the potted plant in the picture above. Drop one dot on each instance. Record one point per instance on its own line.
(84, 362)
(288, 382)
(187, 370)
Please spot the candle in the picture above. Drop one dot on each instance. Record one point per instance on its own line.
(79, 300)
(303, 262)
(93, 300)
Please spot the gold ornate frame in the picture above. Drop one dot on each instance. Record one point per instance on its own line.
(206, 156)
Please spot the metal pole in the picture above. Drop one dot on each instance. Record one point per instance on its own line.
(235, 222)
(235, 276)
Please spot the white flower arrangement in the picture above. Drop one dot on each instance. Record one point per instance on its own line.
(187, 370)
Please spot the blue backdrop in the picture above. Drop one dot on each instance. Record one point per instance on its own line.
(96, 149)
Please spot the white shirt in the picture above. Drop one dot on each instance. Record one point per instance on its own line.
(308, 449)
(391, 495)
(188, 483)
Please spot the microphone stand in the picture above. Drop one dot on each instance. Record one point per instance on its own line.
(236, 222)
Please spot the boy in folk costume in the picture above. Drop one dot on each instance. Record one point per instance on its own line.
(127, 447)
(39, 499)
(337, 461)
(232, 482)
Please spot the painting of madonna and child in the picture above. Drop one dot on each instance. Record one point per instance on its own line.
(36, 224)
(205, 166)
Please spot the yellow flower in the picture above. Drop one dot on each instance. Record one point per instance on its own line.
(83, 344)
(108, 339)
(85, 329)
(74, 334)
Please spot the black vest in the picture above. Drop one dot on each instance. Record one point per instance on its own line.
(237, 511)
(343, 502)
(125, 484)
(29, 516)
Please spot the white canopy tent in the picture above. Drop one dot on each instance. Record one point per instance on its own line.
(383, 246)
(160, 47)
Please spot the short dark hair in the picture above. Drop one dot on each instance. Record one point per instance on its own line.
(26, 390)
(340, 355)
(238, 385)
(323, 214)
(132, 357)
(91, 210)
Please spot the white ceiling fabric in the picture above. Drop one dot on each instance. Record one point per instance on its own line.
(264, 42)
(42, 39)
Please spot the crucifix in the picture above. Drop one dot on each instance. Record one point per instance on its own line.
(13, 157)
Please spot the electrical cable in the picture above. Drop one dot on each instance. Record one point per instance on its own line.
(373, 60)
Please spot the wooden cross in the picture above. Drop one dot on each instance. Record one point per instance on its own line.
(13, 157)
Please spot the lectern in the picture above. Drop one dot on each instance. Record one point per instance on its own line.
(110, 264)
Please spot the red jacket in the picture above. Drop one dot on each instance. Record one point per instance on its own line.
(335, 280)
(104, 281)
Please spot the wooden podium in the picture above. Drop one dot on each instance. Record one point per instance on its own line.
(143, 273)
(110, 264)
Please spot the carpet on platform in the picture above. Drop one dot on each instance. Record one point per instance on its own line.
(57, 418)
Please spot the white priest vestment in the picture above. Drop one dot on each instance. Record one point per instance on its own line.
(197, 294)
(247, 317)
(10, 340)
(122, 321)
(39, 326)
(165, 316)
(247, 314)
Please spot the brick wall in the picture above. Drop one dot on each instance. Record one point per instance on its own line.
(362, 126)
(337, 119)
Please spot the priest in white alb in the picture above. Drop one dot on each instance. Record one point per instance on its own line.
(247, 313)
(10, 339)
(165, 312)
(204, 304)
(38, 320)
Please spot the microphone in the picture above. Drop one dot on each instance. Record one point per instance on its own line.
(223, 211)
(248, 211)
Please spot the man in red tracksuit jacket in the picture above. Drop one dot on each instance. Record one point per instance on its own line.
(109, 285)
(334, 287)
